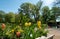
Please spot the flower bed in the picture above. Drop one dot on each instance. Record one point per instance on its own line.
(28, 31)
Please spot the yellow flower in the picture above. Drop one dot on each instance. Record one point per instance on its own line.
(39, 27)
(7, 33)
(12, 30)
(29, 23)
(20, 30)
(39, 24)
(26, 24)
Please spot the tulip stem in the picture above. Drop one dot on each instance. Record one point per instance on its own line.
(2, 34)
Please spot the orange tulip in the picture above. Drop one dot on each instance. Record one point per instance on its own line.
(17, 34)
(3, 26)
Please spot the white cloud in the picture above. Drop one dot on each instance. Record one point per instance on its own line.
(48, 3)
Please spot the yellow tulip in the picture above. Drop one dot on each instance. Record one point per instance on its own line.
(12, 30)
(29, 23)
(20, 30)
(39, 24)
(26, 24)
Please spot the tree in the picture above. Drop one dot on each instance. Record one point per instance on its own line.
(55, 12)
(27, 7)
(2, 15)
(45, 14)
(30, 10)
(56, 9)
(39, 4)
(17, 18)
(39, 8)
(10, 17)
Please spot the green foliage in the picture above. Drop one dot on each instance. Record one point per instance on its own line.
(17, 18)
(2, 14)
(30, 10)
(10, 17)
(27, 32)
(33, 32)
(45, 14)
(55, 9)
(26, 12)
(39, 4)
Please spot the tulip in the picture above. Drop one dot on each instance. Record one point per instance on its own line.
(17, 34)
(39, 24)
(20, 31)
(3, 26)
(29, 23)
(26, 24)
(12, 30)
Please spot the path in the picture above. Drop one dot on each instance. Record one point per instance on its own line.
(54, 31)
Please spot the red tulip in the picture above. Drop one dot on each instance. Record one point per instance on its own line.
(17, 34)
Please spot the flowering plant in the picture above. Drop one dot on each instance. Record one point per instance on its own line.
(28, 31)
(34, 30)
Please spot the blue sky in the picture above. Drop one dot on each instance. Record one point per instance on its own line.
(13, 5)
